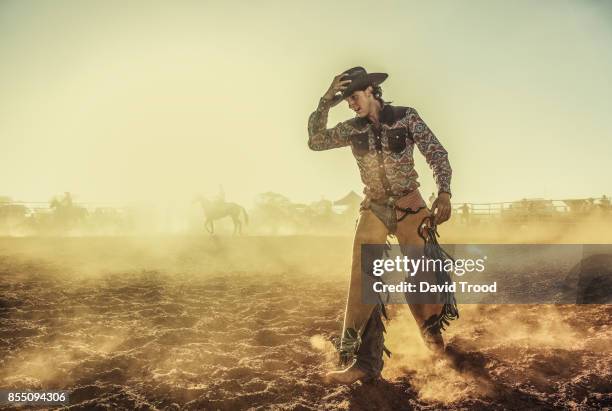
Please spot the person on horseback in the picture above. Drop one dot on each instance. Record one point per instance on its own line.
(220, 198)
(382, 138)
(219, 208)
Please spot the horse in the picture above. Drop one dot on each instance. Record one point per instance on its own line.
(215, 210)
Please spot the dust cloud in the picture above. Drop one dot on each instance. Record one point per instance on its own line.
(222, 322)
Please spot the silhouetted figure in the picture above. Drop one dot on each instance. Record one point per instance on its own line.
(67, 200)
(66, 215)
(220, 198)
(465, 213)
(215, 210)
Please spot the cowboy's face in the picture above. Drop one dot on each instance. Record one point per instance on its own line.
(361, 102)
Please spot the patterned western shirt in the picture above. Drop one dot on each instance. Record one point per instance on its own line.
(385, 155)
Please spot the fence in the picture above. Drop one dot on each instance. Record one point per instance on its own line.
(32, 217)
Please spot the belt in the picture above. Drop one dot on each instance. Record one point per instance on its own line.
(391, 210)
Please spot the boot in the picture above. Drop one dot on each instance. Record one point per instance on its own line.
(434, 341)
(347, 376)
(432, 334)
(363, 355)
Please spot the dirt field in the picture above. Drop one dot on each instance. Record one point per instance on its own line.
(225, 323)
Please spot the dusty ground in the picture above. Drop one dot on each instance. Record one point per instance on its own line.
(230, 324)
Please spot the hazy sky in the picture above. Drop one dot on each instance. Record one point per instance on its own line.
(128, 101)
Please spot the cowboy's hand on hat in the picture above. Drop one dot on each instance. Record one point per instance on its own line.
(441, 208)
(337, 87)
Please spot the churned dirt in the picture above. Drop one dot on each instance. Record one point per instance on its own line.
(244, 323)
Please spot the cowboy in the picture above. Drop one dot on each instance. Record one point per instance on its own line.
(382, 138)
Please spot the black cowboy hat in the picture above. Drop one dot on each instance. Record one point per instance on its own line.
(361, 79)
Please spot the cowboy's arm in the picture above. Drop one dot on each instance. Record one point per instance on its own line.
(435, 154)
(322, 138)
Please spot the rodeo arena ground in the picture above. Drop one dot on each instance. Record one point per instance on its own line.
(167, 308)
